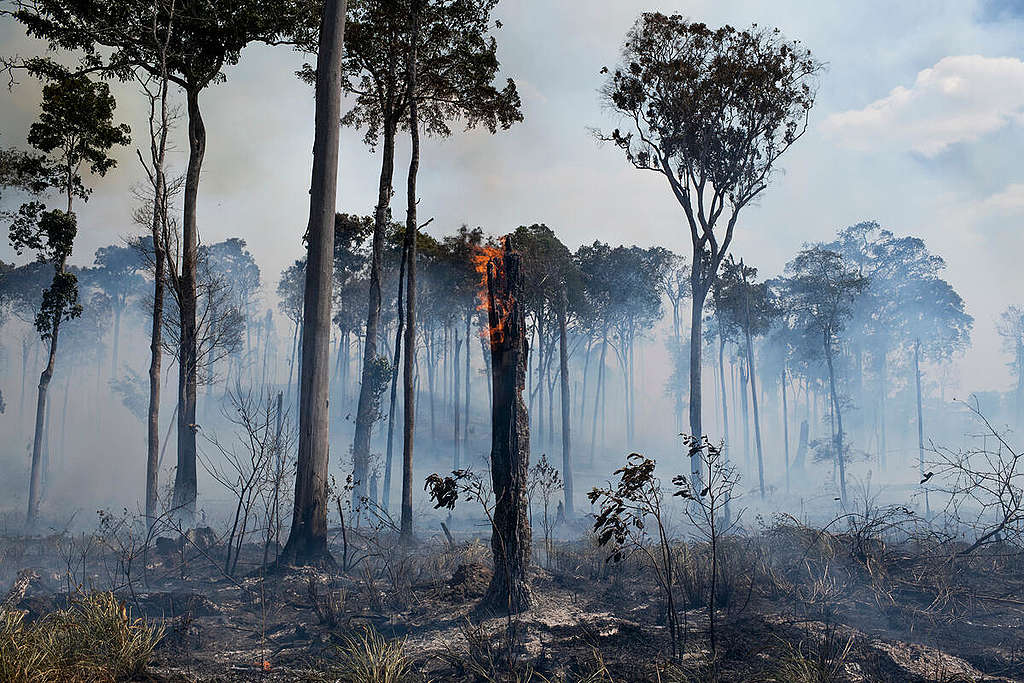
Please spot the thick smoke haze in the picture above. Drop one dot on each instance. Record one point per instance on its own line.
(915, 126)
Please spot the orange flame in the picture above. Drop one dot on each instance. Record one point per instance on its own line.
(488, 262)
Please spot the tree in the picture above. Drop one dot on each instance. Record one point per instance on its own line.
(118, 268)
(820, 294)
(551, 280)
(936, 326)
(747, 306)
(307, 540)
(122, 37)
(712, 110)
(432, 71)
(75, 127)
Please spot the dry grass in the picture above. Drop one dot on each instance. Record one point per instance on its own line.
(93, 639)
(366, 656)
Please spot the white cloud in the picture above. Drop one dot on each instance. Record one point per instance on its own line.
(960, 99)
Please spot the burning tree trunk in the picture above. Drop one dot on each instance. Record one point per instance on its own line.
(510, 434)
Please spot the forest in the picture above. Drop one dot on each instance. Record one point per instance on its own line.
(469, 434)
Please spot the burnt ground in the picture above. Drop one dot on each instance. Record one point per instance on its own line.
(795, 604)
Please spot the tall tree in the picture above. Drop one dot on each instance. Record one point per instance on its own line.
(712, 110)
(453, 63)
(75, 127)
(118, 268)
(307, 540)
(820, 295)
(118, 37)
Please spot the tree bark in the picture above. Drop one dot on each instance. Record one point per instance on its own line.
(386, 494)
(185, 475)
(365, 411)
(409, 417)
(699, 294)
(509, 589)
(35, 487)
(307, 541)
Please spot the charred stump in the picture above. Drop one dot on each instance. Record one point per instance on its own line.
(509, 589)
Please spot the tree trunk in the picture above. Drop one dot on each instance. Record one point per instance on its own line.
(509, 590)
(597, 392)
(920, 423)
(884, 382)
(458, 349)
(563, 372)
(838, 440)
(785, 425)
(699, 293)
(307, 541)
(155, 361)
(753, 388)
(408, 428)
(185, 475)
(465, 427)
(396, 358)
(35, 487)
(365, 411)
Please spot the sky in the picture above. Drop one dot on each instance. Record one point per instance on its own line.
(918, 124)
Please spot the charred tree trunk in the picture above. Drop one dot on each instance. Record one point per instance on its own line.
(307, 541)
(458, 349)
(509, 590)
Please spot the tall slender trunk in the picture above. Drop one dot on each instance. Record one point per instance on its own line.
(597, 392)
(884, 389)
(458, 349)
(307, 541)
(465, 427)
(158, 153)
(396, 358)
(744, 381)
(785, 425)
(185, 475)
(366, 411)
(35, 491)
(753, 386)
(563, 372)
(920, 423)
(405, 532)
(699, 294)
(838, 415)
